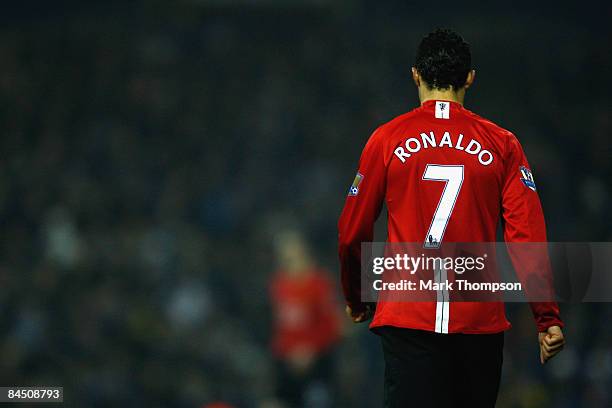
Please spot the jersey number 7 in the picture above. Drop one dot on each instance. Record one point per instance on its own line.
(452, 175)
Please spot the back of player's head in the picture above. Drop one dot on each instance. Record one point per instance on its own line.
(443, 59)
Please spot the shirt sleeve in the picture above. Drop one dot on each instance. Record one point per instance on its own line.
(356, 223)
(523, 221)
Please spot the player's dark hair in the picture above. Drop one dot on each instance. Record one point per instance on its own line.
(443, 59)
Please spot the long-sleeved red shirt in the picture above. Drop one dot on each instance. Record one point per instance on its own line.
(445, 175)
(304, 311)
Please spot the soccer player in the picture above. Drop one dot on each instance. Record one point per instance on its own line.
(445, 175)
(306, 325)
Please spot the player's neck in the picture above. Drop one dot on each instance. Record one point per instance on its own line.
(441, 95)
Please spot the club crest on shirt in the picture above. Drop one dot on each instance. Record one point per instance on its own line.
(354, 189)
(527, 178)
(442, 110)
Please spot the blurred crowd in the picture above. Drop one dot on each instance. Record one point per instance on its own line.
(150, 155)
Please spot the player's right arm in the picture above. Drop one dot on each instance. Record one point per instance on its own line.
(356, 223)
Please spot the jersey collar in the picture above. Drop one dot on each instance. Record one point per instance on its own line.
(431, 102)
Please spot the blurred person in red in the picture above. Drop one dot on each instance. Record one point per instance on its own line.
(306, 326)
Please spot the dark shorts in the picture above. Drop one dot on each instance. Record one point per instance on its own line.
(426, 369)
(310, 388)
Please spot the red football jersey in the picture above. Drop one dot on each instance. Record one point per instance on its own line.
(304, 313)
(445, 174)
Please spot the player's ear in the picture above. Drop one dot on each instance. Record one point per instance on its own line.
(470, 78)
(416, 77)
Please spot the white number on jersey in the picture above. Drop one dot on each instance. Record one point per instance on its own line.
(452, 175)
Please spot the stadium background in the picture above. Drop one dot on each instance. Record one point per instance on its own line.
(150, 150)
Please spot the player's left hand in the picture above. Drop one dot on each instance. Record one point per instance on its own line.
(359, 317)
(551, 343)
